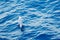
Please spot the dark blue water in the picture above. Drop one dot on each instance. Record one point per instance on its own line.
(40, 20)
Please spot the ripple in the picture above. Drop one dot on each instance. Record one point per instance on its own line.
(41, 19)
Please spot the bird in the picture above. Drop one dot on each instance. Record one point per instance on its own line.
(20, 23)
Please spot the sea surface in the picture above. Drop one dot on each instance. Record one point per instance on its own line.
(40, 20)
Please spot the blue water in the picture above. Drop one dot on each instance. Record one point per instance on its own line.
(40, 19)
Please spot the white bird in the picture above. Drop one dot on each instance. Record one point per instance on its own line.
(20, 21)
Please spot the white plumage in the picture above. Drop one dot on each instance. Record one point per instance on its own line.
(20, 21)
